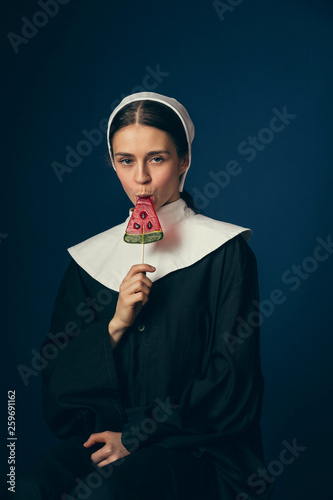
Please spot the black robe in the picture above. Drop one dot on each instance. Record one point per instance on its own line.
(185, 375)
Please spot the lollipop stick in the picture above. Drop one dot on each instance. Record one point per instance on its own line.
(142, 251)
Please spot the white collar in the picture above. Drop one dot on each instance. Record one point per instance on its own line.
(188, 237)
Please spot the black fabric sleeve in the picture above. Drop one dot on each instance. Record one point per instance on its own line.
(224, 401)
(80, 387)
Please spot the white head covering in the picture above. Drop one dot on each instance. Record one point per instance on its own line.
(173, 104)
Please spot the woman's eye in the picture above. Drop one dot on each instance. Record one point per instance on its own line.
(125, 161)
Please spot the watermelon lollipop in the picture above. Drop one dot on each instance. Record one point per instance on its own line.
(143, 226)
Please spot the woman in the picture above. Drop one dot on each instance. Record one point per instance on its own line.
(153, 376)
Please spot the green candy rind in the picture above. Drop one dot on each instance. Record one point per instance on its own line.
(143, 238)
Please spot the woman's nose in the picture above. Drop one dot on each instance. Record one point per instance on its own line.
(142, 174)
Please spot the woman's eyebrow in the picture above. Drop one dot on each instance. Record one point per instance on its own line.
(159, 152)
(148, 154)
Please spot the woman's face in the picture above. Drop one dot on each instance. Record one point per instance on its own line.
(147, 163)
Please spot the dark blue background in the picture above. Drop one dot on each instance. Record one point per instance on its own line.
(230, 75)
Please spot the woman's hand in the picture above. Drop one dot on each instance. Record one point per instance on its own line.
(111, 451)
(133, 295)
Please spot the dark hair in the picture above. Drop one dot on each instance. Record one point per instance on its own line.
(158, 115)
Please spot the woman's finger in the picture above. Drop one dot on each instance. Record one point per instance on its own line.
(139, 268)
(139, 278)
(100, 437)
(138, 286)
(107, 461)
(102, 454)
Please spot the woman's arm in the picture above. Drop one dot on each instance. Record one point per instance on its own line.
(133, 295)
(80, 386)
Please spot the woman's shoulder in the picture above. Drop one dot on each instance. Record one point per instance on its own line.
(98, 239)
(208, 234)
(213, 226)
(228, 241)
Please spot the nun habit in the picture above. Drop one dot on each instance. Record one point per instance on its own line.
(184, 385)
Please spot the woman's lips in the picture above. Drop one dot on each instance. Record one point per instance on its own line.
(145, 196)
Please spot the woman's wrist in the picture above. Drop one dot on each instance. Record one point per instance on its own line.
(116, 330)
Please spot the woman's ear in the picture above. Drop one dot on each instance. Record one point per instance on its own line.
(183, 164)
